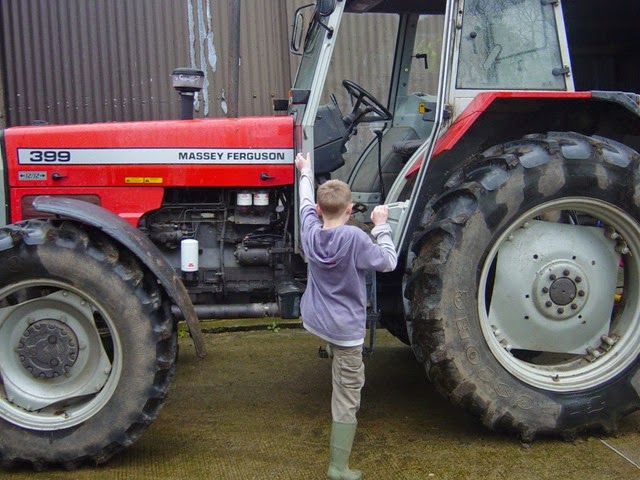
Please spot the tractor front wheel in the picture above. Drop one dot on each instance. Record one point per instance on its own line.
(87, 346)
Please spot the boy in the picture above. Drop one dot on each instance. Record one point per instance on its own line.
(334, 304)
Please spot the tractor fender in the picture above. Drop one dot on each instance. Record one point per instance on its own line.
(124, 233)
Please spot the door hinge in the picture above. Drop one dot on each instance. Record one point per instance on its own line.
(566, 71)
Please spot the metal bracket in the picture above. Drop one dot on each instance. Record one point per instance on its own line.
(566, 71)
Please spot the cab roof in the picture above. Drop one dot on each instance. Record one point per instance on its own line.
(428, 7)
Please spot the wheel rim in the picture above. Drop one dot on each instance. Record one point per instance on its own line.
(60, 355)
(544, 296)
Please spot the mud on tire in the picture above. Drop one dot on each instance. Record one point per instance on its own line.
(524, 285)
(87, 346)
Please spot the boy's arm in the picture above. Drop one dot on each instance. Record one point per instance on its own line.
(305, 183)
(305, 187)
(308, 216)
(382, 234)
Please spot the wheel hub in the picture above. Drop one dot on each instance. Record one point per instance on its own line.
(48, 348)
(554, 288)
(560, 290)
(563, 291)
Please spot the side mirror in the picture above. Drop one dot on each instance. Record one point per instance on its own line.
(297, 31)
(324, 8)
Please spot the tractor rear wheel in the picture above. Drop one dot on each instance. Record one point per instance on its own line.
(525, 285)
(87, 346)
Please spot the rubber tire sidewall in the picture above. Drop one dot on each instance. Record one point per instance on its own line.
(116, 424)
(446, 323)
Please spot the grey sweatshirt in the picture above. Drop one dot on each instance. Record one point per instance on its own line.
(334, 305)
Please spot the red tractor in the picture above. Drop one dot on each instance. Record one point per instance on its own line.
(514, 190)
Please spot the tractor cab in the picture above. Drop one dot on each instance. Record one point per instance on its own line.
(379, 81)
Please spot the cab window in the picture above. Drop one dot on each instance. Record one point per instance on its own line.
(509, 45)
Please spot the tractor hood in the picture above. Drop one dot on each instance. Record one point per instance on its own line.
(129, 165)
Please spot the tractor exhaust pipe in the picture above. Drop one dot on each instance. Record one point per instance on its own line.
(187, 81)
(220, 312)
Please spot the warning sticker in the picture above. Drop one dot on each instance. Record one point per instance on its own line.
(143, 180)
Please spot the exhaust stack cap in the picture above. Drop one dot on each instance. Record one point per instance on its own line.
(187, 80)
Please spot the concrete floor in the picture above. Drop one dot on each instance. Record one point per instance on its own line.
(257, 407)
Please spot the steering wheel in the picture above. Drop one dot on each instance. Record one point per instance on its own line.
(367, 108)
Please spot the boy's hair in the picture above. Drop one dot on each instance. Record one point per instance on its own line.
(334, 197)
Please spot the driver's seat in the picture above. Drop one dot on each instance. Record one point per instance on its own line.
(366, 176)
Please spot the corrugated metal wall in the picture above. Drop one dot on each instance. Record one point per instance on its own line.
(79, 61)
(74, 61)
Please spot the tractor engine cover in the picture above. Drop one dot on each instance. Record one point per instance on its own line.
(130, 176)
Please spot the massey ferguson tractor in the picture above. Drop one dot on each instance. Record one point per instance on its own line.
(514, 191)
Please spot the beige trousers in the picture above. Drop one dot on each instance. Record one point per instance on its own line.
(348, 380)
